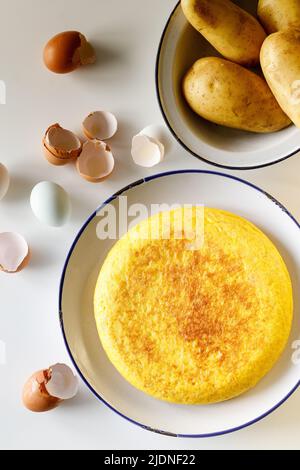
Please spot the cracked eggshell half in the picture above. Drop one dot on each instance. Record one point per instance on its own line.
(50, 204)
(68, 51)
(45, 390)
(61, 146)
(96, 161)
(146, 152)
(14, 252)
(148, 147)
(4, 181)
(100, 125)
(63, 384)
(35, 396)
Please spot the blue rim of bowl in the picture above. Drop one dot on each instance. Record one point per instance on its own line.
(108, 201)
(218, 165)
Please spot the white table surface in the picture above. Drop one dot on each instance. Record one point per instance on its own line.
(126, 34)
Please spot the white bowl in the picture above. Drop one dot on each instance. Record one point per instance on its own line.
(79, 329)
(181, 45)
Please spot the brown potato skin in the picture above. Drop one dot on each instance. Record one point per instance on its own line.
(235, 33)
(230, 95)
(280, 63)
(276, 15)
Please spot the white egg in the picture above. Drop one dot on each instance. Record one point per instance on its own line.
(50, 204)
(4, 181)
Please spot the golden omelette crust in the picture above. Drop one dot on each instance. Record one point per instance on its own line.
(195, 327)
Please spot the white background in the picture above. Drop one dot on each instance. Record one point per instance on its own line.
(126, 34)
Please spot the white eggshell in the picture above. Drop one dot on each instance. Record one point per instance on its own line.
(146, 152)
(50, 204)
(150, 145)
(63, 383)
(13, 251)
(4, 181)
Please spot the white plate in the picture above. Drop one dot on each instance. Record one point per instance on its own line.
(181, 45)
(76, 307)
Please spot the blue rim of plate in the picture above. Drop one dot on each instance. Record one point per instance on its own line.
(61, 288)
(218, 165)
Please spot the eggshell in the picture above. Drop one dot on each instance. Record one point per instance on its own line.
(4, 181)
(63, 384)
(96, 162)
(61, 146)
(14, 252)
(35, 395)
(68, 51)
(100, 125)
(146, 152)
(148, 147)
(47, 389)
(50, 204)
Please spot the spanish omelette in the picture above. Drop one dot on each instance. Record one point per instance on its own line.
(194, 325)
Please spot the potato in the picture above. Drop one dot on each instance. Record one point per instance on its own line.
(280, 61)
(228, 94)
(232, 31)
(276, 15)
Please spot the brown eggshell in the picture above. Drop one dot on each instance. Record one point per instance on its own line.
(100, 125)
(85, 54)
(57, 156)
(68, 51)
(35, 396)
(52, 159)
(104, 154)
(94, 180)
(88, 135)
